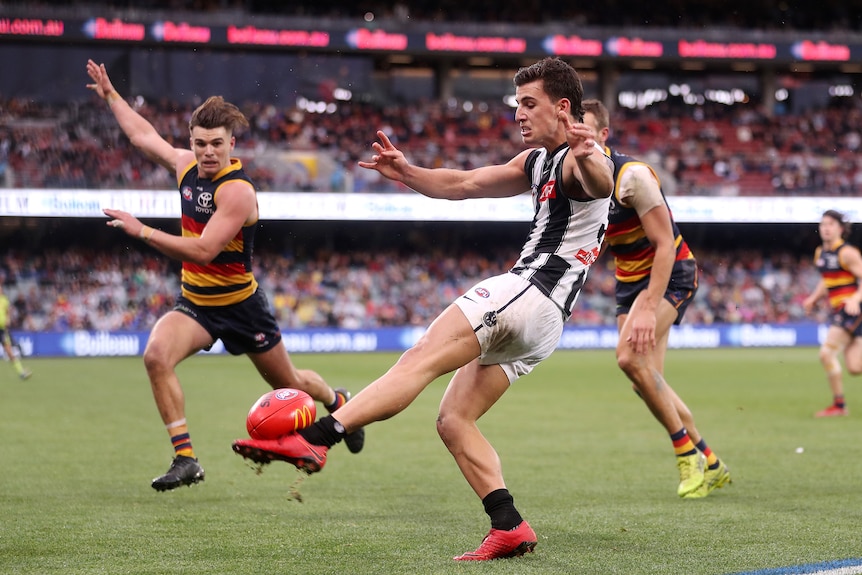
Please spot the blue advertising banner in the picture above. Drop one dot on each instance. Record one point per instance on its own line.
(106, 344)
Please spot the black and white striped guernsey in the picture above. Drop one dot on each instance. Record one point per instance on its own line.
(565, 235)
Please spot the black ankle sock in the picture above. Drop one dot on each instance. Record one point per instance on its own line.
(325, 431)
(500, 507)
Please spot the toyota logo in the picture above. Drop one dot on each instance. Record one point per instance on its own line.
(205, 200)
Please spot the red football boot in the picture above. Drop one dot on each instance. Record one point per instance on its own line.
(499, 544)
(292, 448)
(833, 411)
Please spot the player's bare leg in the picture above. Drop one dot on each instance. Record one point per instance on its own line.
(837, 339)
(644, 370)
(716, 474)
(471, 393)
(448, 344)
(15, 360)
(682, 409)
(853, 356)
(174, 338)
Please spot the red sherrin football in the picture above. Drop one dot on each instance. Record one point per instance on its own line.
(279, 412)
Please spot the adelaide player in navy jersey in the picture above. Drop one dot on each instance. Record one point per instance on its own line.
(840, 267)
(220, 298)
(656, 279)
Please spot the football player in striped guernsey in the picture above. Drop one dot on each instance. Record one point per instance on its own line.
(840, 267)
(220, 298)
(656, 279)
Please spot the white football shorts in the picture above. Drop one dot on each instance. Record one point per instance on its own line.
(517, 325)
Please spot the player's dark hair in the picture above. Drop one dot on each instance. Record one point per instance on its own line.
(217, 113)
(841, 219)
(559, 79)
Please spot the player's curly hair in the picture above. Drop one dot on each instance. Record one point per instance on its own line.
(560, 81)
(218, 113)
(841, 219)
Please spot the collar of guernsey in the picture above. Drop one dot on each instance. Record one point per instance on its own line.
(228, 278)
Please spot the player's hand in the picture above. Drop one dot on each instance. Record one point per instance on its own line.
(642, 334)
(101, 83)
(124, 221)
(851, 306)
(581, 138)
(387, 159)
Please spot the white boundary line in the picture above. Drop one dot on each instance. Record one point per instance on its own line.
(840, 567)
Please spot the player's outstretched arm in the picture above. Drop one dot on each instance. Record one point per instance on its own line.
(442, 183)
(237, 206)
(140, 132)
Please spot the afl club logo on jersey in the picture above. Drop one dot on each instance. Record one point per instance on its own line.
(187, 193)
(482, 292)
(490, 318)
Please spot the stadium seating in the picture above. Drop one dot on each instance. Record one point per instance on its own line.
(77, 146)
(89, 288)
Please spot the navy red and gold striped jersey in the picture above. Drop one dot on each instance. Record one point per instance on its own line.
(840, 283)
(626, 239)
(228, 278)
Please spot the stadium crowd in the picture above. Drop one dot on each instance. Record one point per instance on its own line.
(707, 150)
(92, 289)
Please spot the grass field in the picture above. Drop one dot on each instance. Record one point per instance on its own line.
(588, 467)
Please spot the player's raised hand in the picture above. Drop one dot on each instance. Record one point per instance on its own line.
(101, 83)
(581, 138)
(387, 159)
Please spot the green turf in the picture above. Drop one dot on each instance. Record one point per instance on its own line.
(588, 467)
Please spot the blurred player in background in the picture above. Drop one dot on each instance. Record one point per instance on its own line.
(505, 325)
(656, 277)
(840, 267)
(6, 338)
(220, 298)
